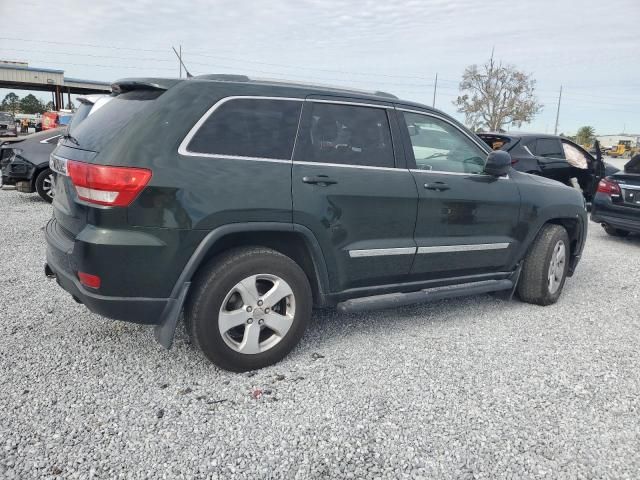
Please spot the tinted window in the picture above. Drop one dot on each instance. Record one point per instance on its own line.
(101, 127)
(438, 145)
(344, 134)
(5, 117)
(250, 128)
(549, 147)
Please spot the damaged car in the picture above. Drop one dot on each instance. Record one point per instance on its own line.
(553, 157)
(25, 162)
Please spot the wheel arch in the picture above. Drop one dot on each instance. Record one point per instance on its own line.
(299, 244)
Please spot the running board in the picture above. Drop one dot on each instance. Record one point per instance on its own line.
(393, 300)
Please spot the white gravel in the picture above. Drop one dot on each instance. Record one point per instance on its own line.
(467, 388)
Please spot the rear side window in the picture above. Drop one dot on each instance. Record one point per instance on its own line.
(80, 115)
(346, 135)
(549, 147)
(257, 128)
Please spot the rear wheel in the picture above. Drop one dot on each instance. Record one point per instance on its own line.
(615, 232)
(44, 185)
(249, 308)
(545, 267)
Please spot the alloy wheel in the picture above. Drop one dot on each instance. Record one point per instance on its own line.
(556, 266)
(256, 313)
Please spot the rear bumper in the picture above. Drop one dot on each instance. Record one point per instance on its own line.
(150, 311)
(622, 223)
(618, 216)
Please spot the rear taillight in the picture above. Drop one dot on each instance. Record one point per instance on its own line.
(106, 185)
(609, 187)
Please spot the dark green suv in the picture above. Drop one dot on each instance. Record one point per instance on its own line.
(246, 203)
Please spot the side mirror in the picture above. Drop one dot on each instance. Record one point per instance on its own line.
(498, 163)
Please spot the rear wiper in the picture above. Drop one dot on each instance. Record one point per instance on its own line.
(71, 138)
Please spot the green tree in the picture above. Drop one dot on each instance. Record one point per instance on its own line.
(11, 103)
(30, 104)
(494, 96)
(49, 107)
(586, 135)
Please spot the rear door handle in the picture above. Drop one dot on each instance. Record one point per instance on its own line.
(319, 180)
(438, 186)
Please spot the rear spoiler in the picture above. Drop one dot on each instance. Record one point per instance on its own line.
(130, 84)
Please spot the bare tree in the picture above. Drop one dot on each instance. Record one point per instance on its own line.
(493, 96)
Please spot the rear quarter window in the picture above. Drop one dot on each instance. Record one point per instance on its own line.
(255, 128)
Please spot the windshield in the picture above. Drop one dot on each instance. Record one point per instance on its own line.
(5, 117)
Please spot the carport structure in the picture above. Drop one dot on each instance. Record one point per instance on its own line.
(47, 80)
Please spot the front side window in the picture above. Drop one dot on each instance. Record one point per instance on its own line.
(439, 146)
(346, 135)
(549, 148)
(249, 127)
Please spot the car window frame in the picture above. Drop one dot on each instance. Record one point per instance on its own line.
(183, 147)
(394, 132)
(408, 146)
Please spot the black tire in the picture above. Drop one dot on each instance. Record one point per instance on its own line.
(218, 279)
(44, 185)
(615, 232)
(534, 283)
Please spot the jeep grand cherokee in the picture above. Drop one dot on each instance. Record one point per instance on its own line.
(246, 203)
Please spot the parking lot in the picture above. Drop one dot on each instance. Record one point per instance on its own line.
(468, 388)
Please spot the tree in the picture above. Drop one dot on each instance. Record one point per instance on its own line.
(30, 104)
(49, 107)
(493, 96)
(586, 135)
(11, 103)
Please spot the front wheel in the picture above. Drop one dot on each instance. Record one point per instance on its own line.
(249, 308)
(44, 185)
(545, 267)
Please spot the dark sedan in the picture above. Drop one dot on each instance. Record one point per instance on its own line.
(25, 162)
(553, 157)
(616, 205)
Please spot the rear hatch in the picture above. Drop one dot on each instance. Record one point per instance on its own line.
(82, 151)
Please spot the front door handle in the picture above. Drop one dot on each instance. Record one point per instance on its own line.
(319, 180)
(438, 186)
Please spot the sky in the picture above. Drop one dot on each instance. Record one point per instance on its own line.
(590, 47)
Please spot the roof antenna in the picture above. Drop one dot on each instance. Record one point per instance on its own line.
(182, 63)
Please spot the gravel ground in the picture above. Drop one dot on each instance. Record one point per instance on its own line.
(466, 388)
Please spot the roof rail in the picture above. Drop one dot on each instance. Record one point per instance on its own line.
(224, 77)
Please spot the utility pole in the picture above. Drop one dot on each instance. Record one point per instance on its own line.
(555, 130)
(180, 61)
(435, 87)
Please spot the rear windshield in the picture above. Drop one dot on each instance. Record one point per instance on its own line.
(101, 127)
(497, 142)
(5, 117)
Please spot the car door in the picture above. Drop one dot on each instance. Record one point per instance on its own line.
(352, 190)
(551, 159)
(467, 220)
